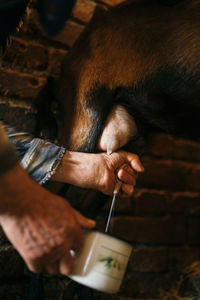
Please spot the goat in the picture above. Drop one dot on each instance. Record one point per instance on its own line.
(135, 66)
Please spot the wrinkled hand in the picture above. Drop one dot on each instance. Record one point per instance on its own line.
(41, 226)
(100, 171)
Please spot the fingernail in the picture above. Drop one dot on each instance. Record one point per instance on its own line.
(92, 222)
(141, 167)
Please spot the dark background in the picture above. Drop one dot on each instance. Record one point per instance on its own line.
(161, 221)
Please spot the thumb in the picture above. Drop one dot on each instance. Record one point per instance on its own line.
(134, 161)
(83, 221)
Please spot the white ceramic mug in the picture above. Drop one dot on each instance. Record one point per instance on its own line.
(102, 262)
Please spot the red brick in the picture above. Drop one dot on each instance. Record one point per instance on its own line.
(167, 230)
(26, 54)
(18, 115)
(185, 203)
(31, 27)
(56, 57)
(145, 202)
(19, 85)
(148, 284)
(167, 174)
(167, 146)
(193, 231)
(112, 2)
(121, 205)
(181, 257)
(149, 202)
(11, 264)
(70, 33)
(149, 260)
(124, 298)
(103, 296)
(84, 10)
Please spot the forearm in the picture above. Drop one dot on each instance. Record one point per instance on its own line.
(75, 168)
(12, 184)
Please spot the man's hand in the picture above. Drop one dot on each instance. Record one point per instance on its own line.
(41, 226)
(100, 171)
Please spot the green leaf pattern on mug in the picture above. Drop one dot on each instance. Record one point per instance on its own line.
(110, 262)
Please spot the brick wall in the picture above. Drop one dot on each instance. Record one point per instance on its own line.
(161, 221)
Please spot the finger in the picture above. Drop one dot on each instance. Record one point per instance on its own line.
(134, 161)
(74, 235)
(41, 259)
(83, 221)
(127, 190)
(130, 170)
(66, 264)
(77, 243)
(52, 260)
(126, 177)
(136, 164)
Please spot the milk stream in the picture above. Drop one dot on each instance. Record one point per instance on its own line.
(116, 191)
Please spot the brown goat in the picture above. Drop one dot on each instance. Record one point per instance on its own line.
(142, 57)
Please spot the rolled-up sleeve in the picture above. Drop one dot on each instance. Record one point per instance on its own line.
(38, 157)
